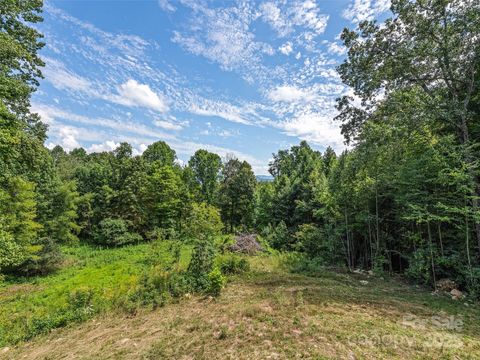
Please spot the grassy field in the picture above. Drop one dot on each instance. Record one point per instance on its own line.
(266, 313)
(31, 306)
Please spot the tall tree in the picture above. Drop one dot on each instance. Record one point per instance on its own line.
(160, 152)
(206, 166)
(431, 46)
(237, 194)
(20, 70)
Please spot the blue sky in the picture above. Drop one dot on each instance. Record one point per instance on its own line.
(234, 77)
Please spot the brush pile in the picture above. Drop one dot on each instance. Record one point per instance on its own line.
(246, 244)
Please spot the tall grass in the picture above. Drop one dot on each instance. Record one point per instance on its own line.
(91, 281)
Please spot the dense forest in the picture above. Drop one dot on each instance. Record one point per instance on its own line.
(404, 198)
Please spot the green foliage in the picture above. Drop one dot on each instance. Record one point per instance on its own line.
(12, 254)
(20, 70)
(216, 282)
(80, 302)
(160, 153)
(62, 225)
(36, 304)
(279, 237)
(114, 232)
(313, 241)
(165, 203)
(264, 194)
(18, 211)
(47, 258)
(231, 264)
(202, 258)
(237, 194)
(204, 222)
(206, 168)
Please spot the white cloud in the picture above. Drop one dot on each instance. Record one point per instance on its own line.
(230, 116)
(108, 145)
(360, 10)
(125, 43)
(60, 116)
(273, 16)
(168, 125)
(68, 135)
(220, 109)
(316, 128)
(222, 35)
(286, 48)
(227, 133)
(296, 14)
(307, 13)
(288, 93)
(166, 5)
(336, 48)
(133, 93)
(61, 78)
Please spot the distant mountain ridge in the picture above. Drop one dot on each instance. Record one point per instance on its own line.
(264, 178)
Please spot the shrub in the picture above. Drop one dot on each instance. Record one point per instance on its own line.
(114, 232)
(233, 264)
(419, 268)
(152, 289)
(202, 258)
(80, 302)
(280, 238)
(46, 260)
(11, 253)
(216, 282)
(129, 238)
(204, 222)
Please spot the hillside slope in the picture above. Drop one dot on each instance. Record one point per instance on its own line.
(273, 314)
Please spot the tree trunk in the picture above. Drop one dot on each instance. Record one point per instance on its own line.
(372, 261)
(431, 255)
(440, 237)
(470, 160)
(348, 241)
(376, 219)
(467, 245)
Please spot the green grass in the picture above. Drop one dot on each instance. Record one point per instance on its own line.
(30, 306)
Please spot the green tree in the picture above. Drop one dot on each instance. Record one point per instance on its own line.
(160, 152)
(165, 188)
(237, 194)
(429, 47)
(20, 70)
(206, 167)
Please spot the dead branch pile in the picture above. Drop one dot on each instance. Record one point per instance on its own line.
(246, 244)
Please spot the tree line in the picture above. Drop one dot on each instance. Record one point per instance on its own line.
(403, 198)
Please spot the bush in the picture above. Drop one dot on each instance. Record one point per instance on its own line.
(232, 264)
(152, 289)
(80, 302)
(204, 222)
(420, 268)
(129, 238)
(11, 253)
(114, 232)
(46, 260)
(202, 258)
(279, 237)
(216, 282)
